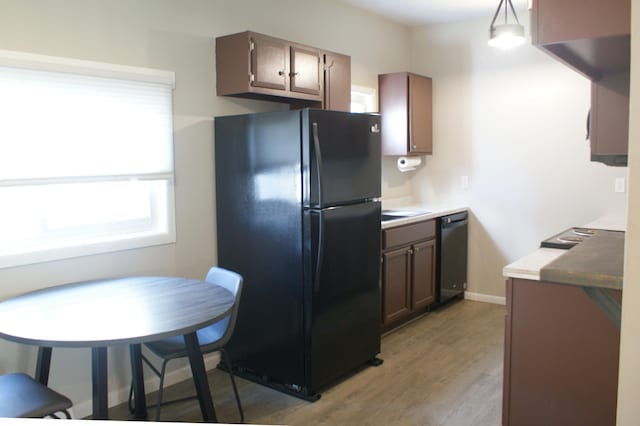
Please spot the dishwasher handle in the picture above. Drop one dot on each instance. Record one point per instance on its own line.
(454, 220)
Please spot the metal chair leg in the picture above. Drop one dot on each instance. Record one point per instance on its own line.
(161, 389)
(227, 361)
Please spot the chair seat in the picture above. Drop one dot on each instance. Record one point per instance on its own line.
(22, 396)
(174, 347)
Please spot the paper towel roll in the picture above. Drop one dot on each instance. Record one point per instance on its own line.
(406, 164)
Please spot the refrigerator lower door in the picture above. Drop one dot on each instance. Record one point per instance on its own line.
(342, 295)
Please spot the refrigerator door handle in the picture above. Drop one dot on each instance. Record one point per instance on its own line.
(319, 257)
(316, 147)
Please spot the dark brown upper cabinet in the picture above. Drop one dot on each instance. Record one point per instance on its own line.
(593, 38)
(258, 66)
(609, 120)
(405, 102)
(337, 82)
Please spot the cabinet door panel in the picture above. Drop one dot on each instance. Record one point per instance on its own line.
(269, 63)
(305, 70)
(405, 102)
(337, 82)
(424, 269)
(610, 115)
(396, 285)
(420, 118)
(393, 106)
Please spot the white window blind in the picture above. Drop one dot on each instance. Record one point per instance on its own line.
(86, 158)
(363, 99)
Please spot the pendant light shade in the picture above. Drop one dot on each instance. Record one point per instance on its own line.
(506, 35)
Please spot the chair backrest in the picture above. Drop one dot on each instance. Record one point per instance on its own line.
(233, 282)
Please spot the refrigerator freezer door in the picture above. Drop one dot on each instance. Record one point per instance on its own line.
(342, 295)
(340, 158)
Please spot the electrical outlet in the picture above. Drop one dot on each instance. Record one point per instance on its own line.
(620, 183)
(464, 182)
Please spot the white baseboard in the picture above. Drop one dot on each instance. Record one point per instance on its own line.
(479, 297)
(81, 409)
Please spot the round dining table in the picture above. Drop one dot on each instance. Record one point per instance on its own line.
(101, 313)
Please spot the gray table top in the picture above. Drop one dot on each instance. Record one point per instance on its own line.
(114, 311)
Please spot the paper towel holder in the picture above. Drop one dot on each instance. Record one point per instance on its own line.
(406, 164)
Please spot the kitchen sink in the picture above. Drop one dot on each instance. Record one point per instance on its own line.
(399, 214)
(386, 217)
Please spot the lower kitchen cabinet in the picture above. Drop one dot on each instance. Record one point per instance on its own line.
(408, 272)
(560, 357)
(423, 268)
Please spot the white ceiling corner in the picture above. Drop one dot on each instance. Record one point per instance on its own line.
(424, 12)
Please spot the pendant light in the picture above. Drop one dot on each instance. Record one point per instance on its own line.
(506, 35)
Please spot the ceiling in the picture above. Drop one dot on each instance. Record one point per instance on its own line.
(422, 12)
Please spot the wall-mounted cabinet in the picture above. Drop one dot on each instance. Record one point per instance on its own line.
(408, 272)
(406, 114)
(337, 81)
(593, 38)
(609, 122)
(258, 66)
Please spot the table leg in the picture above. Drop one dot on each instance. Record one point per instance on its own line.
(99, 383)
(43, 365)
(135, 354)
(200, 377)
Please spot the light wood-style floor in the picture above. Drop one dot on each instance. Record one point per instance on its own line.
(442, 369)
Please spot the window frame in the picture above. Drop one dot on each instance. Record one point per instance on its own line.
(367, 97)
(68, 247)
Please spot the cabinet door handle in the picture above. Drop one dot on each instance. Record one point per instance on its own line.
(293, 74)
(281, 73)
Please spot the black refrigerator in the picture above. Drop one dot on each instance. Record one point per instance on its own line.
(298, 216)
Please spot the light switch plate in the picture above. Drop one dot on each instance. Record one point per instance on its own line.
(620, 185)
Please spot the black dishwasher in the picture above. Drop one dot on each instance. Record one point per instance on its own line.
(451, 276)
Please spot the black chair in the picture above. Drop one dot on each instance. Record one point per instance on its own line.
(22, 396)
(212, 339)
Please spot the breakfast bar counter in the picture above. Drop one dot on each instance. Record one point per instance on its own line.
(595, 262)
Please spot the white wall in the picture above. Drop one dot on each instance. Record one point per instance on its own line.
(176, 35)
(629, 376)
(514, 122)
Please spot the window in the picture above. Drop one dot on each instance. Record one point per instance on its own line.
(363, 99)
(86, 158)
